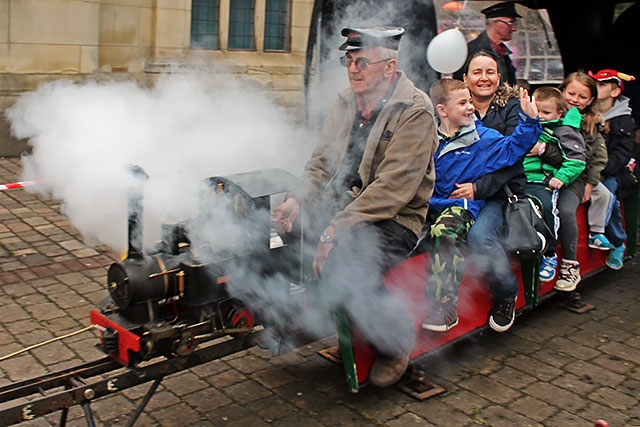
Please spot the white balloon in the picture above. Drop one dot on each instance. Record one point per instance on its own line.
(447, 51)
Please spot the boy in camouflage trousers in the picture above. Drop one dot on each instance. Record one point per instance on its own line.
(467, 150)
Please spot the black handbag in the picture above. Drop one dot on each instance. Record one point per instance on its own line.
(526, 235)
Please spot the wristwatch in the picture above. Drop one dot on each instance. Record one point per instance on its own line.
(325, 238)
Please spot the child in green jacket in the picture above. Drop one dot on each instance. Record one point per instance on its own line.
(548, 179)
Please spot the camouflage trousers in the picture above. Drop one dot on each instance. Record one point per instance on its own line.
(447, 233)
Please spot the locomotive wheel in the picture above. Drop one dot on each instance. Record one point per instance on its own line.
(240, 318)
(147, 346)
(186, 344)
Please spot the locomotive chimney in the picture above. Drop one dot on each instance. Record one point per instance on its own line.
(135, 213)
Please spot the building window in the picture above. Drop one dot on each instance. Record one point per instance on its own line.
(536, 54)
(241, 18)
(205, 24)
(276, 25)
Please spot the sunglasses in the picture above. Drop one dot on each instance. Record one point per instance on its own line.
(511, 24)
(362, 63)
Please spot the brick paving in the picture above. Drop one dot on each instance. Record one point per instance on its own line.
(553, 368)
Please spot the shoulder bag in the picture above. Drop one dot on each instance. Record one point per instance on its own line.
(526, 235)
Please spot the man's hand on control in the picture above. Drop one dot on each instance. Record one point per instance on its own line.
(284, 215)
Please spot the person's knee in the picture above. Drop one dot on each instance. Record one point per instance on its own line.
(567, 213)
(482, 238)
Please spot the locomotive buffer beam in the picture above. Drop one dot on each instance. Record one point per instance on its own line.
(62, 390)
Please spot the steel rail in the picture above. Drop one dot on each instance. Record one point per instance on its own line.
(61, 390)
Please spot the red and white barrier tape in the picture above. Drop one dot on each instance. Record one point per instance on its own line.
(20, 184)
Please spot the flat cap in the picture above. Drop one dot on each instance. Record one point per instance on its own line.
(365, 37)
(506, 9)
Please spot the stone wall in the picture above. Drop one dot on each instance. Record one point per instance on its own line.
(45, 40)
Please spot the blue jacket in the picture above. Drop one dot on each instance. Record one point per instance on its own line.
(475, 151)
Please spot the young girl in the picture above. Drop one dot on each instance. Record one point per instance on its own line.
(580, 91)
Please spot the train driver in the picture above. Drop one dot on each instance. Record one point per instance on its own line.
(367, 186)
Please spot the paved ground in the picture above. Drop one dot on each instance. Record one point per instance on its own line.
(553, 368)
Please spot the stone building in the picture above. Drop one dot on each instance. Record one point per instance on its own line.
(42, 40)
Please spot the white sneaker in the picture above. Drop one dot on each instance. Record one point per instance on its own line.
(569, 276)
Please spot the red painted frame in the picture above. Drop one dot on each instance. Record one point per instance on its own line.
(127, 340)
(407, 282)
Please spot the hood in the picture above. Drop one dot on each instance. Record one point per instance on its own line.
(620, 108)
(504, 93)
(467, 136)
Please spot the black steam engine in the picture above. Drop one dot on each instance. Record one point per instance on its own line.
(185, 291)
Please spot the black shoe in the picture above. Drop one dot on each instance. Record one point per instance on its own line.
(442, 316)
(503, 315)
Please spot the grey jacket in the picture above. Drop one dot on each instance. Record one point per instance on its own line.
(397, 167)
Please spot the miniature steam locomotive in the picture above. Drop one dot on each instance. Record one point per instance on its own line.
(167, 301)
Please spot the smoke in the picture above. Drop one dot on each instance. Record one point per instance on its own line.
(85, 136)
(416, 16)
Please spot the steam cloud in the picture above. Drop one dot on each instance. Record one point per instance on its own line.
(188, 127)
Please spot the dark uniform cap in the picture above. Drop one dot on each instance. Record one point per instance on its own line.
(366, 37)
(499, 10)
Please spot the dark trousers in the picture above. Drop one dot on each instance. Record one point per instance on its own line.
(489, 256)
(614, 230)
(559, 210)
(352, 278)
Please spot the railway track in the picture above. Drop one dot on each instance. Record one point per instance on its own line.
(85, 383)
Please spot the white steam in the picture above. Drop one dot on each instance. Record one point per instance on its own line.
(84, 137)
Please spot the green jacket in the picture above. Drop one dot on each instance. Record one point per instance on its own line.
(397, 167)
(563, 133)
(596, 159)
